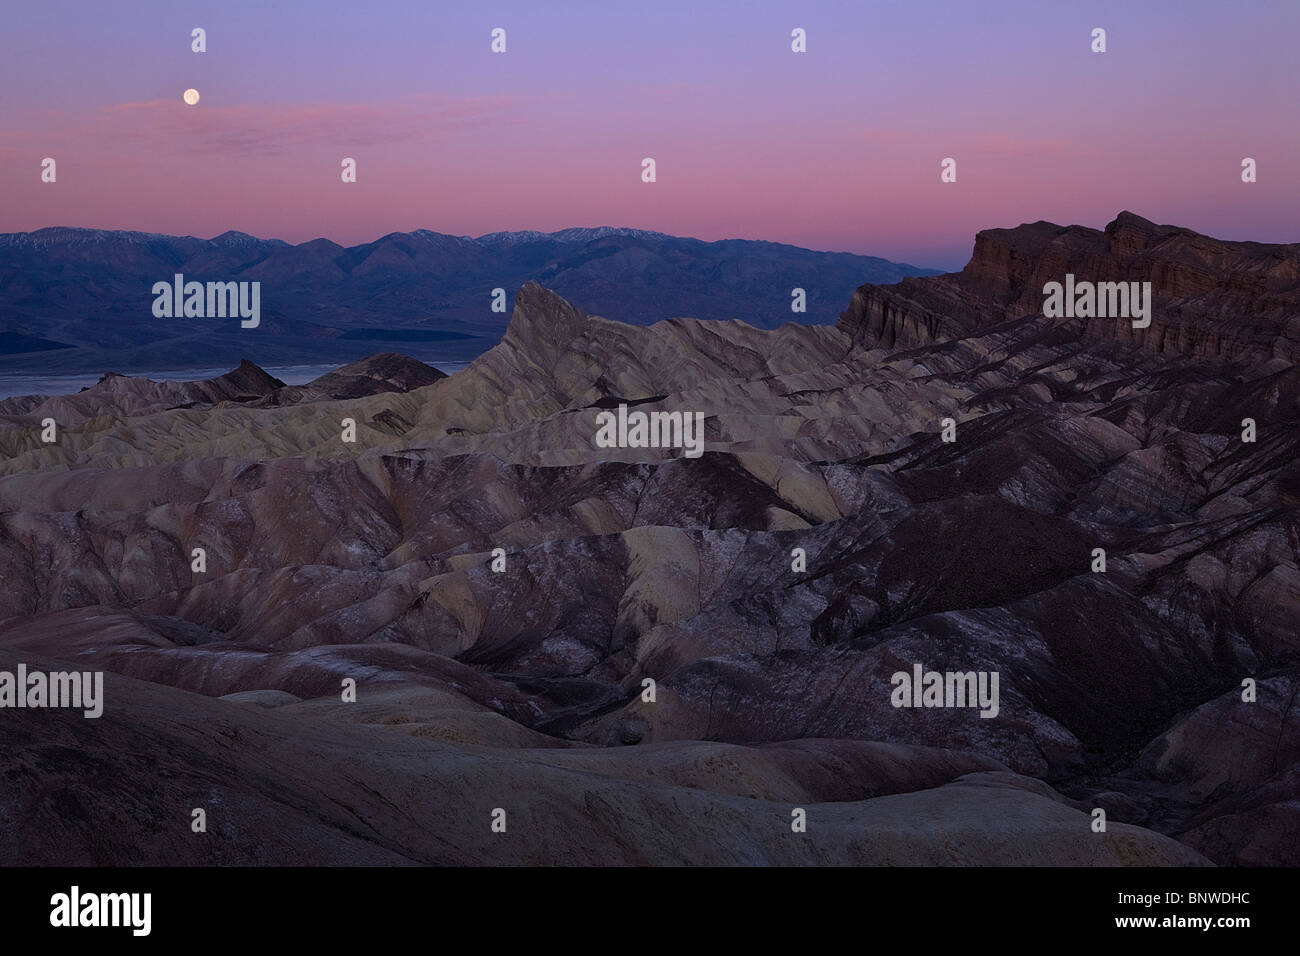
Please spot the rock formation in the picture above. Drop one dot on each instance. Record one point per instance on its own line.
(501, 588)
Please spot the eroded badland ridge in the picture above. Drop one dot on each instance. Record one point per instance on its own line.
(522, 688)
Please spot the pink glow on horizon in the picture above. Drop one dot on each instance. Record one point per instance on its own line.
(835, 151)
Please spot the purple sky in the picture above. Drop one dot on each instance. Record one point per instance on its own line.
(838, 148)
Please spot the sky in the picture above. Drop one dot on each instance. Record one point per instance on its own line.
(838, 148)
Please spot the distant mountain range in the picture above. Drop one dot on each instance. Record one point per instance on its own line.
(80, 299)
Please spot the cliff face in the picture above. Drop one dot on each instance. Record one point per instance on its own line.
(1212, 299)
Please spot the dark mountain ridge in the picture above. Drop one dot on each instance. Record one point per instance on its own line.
(89, 291)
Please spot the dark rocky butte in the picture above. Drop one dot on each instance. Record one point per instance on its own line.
(521, 689)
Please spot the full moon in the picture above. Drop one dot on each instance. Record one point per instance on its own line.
(190, 96)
